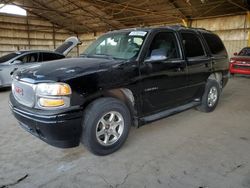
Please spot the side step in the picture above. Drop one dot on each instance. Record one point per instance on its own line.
(169, 112)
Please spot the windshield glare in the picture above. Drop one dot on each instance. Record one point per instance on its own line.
(117, 45)
(244, 52)
(8, 57)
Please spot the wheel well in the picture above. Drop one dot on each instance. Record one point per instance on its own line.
(216, 76)
(123, 94)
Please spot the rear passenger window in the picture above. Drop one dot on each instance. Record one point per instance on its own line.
(215, 44)
(192, 45)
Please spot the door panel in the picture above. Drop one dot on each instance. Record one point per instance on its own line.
(163, 84)
(163, 75)
(198, 72)
(198, 63)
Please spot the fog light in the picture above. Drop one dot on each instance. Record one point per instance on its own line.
(45, 102)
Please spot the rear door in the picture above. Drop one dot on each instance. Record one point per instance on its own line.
(198, 62)
(68, 45)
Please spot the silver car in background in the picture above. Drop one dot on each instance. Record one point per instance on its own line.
(23, 59)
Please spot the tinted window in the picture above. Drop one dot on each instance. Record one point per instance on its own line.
(29, 58)
(244, 52)
(51, 56)
(192, 45)
(165, 42)
(8, 57)
(215, 44)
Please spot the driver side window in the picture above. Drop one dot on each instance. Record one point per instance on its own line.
(165, 43)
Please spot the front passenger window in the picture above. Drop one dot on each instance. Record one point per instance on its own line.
(164, 43)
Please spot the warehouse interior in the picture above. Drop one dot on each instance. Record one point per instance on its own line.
(190, 149)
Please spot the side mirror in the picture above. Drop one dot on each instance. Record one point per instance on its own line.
(16, 62)
(158, 55)
(235, 53)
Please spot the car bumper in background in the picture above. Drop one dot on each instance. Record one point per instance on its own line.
(60, 129)
(239, 68)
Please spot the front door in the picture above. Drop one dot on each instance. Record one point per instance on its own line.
(163, 74)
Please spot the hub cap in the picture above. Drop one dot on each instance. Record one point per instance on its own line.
(212, 96)
(109, 128)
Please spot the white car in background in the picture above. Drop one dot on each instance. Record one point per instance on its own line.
(23, 59)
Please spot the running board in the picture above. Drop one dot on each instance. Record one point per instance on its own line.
(168, 112)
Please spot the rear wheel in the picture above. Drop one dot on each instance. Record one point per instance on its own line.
(106, 124)
(210, 97)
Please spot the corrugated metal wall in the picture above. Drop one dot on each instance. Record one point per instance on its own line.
(23, 33)
(17, 33)
(233, 30)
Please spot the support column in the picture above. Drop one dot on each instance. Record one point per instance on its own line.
(187, 22)
(54, 37)
(28, 30)
(248, 26)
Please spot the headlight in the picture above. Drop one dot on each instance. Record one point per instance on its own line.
(53, 95)
(53, 89)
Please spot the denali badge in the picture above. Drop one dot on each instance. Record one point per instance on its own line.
(150, 89)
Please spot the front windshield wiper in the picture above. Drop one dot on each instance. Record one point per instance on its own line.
(98, 55)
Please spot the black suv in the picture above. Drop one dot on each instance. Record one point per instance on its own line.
(126, 77)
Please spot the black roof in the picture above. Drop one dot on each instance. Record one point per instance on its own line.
(171, 27)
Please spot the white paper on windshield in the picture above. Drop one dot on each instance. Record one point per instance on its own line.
(138, 33)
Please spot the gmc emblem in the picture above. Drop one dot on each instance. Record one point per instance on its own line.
(19, 90)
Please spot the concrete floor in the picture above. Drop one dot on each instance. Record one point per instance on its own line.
(187, 150)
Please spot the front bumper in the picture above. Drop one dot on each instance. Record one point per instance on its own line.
(60, 129)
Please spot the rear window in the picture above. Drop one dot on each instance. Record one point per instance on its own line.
(244, 52)
(215, 44)
(192, 45)
(64, 47)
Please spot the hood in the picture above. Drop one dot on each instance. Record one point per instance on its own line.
(63, 69)
(241, 58)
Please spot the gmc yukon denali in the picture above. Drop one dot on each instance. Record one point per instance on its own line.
(124, 78)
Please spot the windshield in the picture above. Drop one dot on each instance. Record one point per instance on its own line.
(244, 52)
(125, 45)
(8, 57)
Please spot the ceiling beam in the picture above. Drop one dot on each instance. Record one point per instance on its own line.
(62, 15)
(238, 5)
(94, 14)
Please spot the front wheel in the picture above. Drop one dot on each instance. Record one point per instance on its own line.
(210, 97)
(106, 124)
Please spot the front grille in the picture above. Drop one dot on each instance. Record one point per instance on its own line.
(241, 67)
(24, 92)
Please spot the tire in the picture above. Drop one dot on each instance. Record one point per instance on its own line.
(101, 135)
(206, 104)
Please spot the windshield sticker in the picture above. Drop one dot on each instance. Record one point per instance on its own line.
(138, 33)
